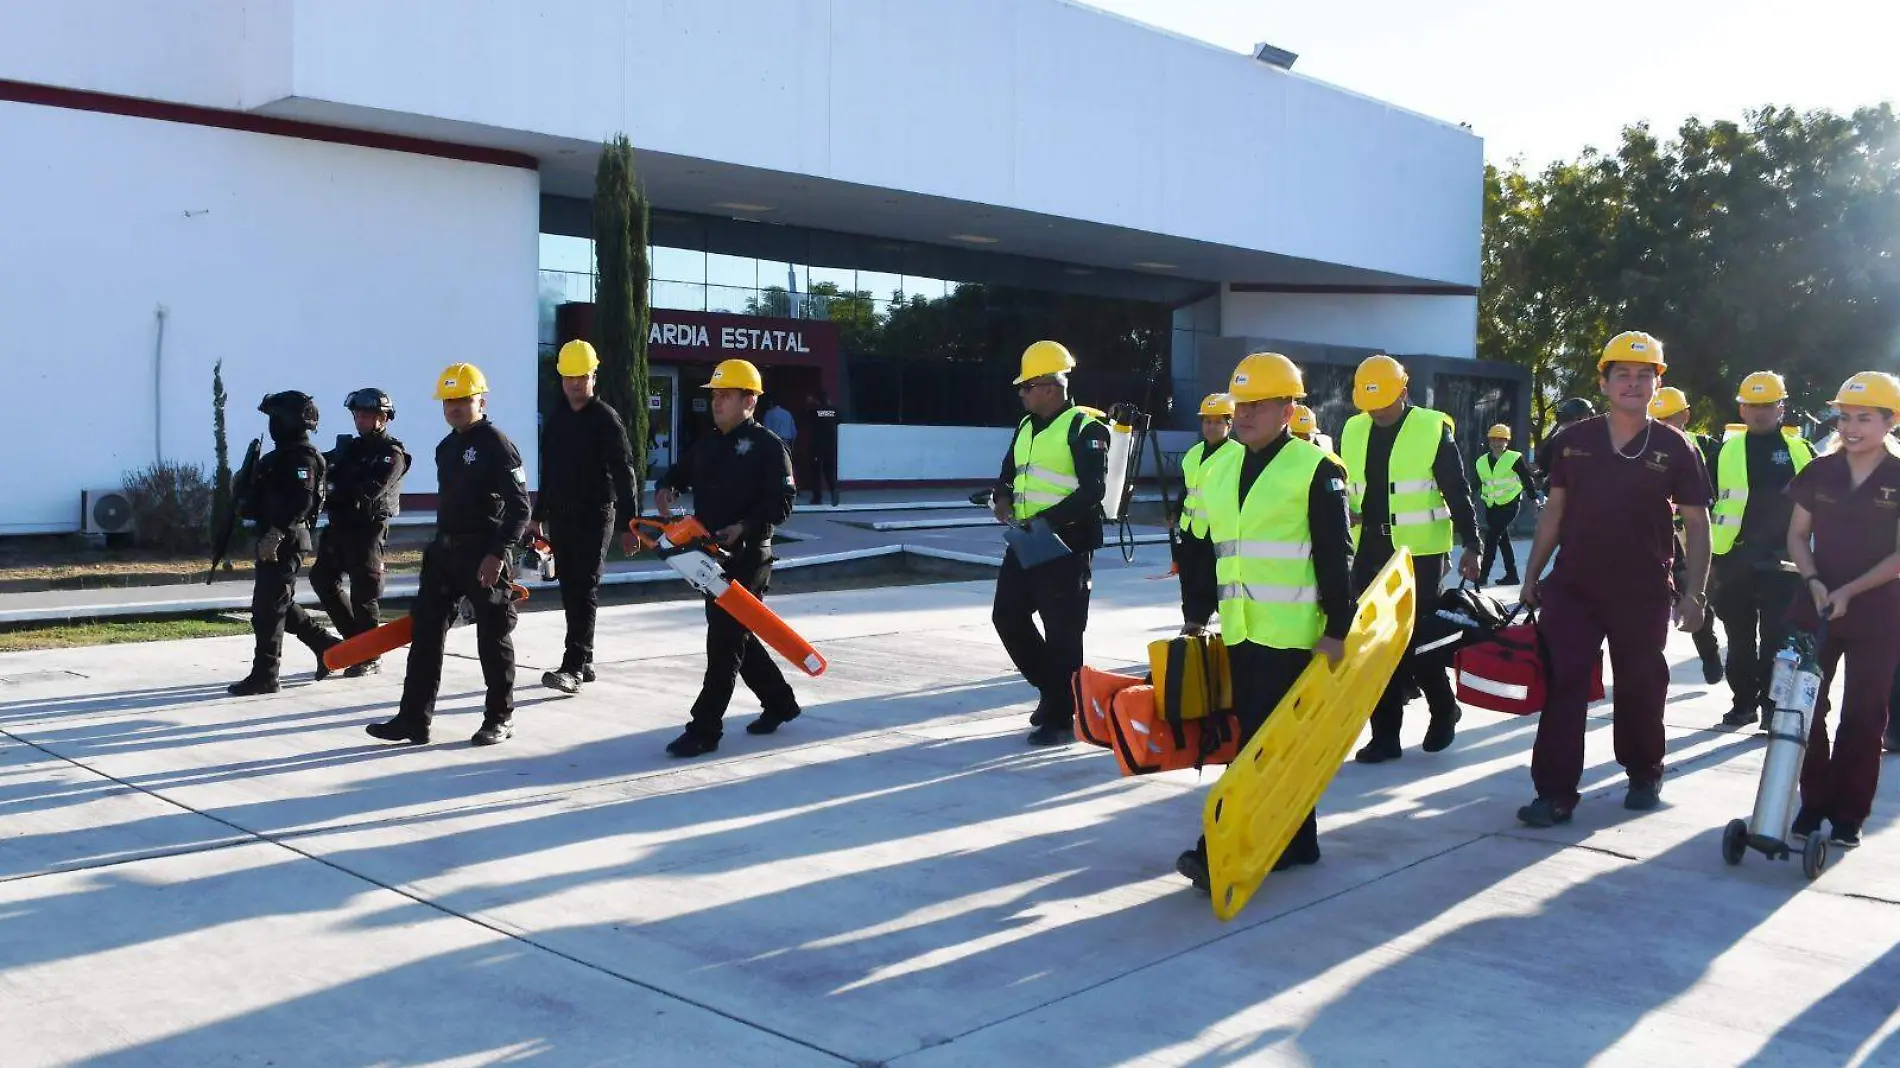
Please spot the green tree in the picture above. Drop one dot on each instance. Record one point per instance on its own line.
(621, 306)
(221, 479)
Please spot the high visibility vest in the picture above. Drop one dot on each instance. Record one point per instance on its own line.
(1731, 487)
(1193, 510)
(1498, 483)
(1263, 548)
(1419, 518)
(1045, 464)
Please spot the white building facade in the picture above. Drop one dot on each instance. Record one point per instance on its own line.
(328, 194)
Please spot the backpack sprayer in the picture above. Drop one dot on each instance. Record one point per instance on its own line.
(1795, 689)
(1128, 430)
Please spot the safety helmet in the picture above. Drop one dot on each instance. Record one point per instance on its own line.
(736, 374)
(1668, 401)
(1574, 409)
(1762, 387)
(1302, 421)
(460, 381)
(1869, 389)
(1633, 346)
(370, 399)
(290, 405)
(1217, 404)
(1378, 383)
(1498, 431)
(1265, 376)
(1045, 358)
(577, 358)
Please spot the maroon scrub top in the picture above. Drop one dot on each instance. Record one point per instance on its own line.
(1854, 529)
(1618, 533)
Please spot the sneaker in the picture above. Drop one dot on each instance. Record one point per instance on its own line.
(1052, 734)
(1846, 833)
(1194, 866)
(1643, 796)
(564, 681)
(1739, 717)
(252, 685)
(689, 744)
(493, 732)
(399, 730)
(367, 667)
(1806, 822)
(1440, 734)
(1380, 750)
(1542, 813)
(769, 722)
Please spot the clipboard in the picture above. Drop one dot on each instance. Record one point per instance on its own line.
(1035, 544)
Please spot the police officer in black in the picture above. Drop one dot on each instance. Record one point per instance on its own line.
(824, 447)
(365, 481)
(481, 515)
(740, 475)
(586, 477)
(284, 499)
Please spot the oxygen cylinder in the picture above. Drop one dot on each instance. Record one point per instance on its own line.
(1121, 445)
(1795, 689)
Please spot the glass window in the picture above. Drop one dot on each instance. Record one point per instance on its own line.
(879, 284)
(779, 274)
(739, 271)
(682, 296)
(928, 288)
(844, 278)
(562, 253)
(733, 299)
(678, 264)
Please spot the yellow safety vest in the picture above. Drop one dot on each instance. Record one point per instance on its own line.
(1045, 464)
(1263, 548)
(1731, 487)
(1419, 519)
(1498, 483)
(1193, 510)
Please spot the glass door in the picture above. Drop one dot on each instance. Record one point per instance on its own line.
(662, 418)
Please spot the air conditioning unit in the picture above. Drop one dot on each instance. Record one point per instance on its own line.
(104, 511)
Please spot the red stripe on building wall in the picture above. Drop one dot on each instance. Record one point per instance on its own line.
(53, 96)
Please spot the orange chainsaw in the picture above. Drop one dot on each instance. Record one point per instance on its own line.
(688, 548)
(395, 634)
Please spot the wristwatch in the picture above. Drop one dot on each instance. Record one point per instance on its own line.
(1700, 600)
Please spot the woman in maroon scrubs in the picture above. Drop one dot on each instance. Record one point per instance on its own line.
(1845, 541)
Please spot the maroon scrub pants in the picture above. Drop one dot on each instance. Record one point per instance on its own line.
(1575, 621)
(1839, 784)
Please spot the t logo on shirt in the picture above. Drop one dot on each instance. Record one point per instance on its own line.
(1658, 461)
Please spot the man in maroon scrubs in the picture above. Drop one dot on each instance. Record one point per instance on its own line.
(1613, 478)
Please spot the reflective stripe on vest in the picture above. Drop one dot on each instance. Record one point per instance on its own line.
(1263, 547)
(1193, 511)
(1498, 483)
(1419, 518)
(1731, 488)
(1045, 464)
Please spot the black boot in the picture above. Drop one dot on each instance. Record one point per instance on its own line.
(587, 672)
(322, 646)
(252, 685)
(770, 721)
(357, 671)
(563, 680)
(1379, 750)
(689, 744)
(399, 730)
(1442, 731)
(493, 732)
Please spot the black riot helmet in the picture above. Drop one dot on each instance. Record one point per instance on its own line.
(290, 409)
(370, 399)
(1574, 409)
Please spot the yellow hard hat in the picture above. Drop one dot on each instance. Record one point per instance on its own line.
(577, 358)
(1633, 346)
(1045, 358)
(736, 374)
(1498, 431)
(1668, 401)
(1303, 421)
(1217, 404)
(1378, 383)
(1762, 387)
(1869, 389)
(1265, 376)
(459, 381)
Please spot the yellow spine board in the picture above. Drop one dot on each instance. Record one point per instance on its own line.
(1264, 795)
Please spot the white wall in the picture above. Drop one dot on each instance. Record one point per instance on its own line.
(301, 265)
(877, 452)
(1438, 326)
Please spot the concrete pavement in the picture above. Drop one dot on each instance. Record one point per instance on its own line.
(894, 878)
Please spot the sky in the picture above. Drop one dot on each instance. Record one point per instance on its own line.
(1541, 79)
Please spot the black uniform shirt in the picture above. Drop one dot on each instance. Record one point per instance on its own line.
(287, 494)
(586, 464)
(743, 476)
(1327, 523)
(482, 491)
(1077, 518)
(824, 427)
(366, 480)
(1448, 470)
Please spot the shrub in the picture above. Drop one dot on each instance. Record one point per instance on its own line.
(171, 504)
